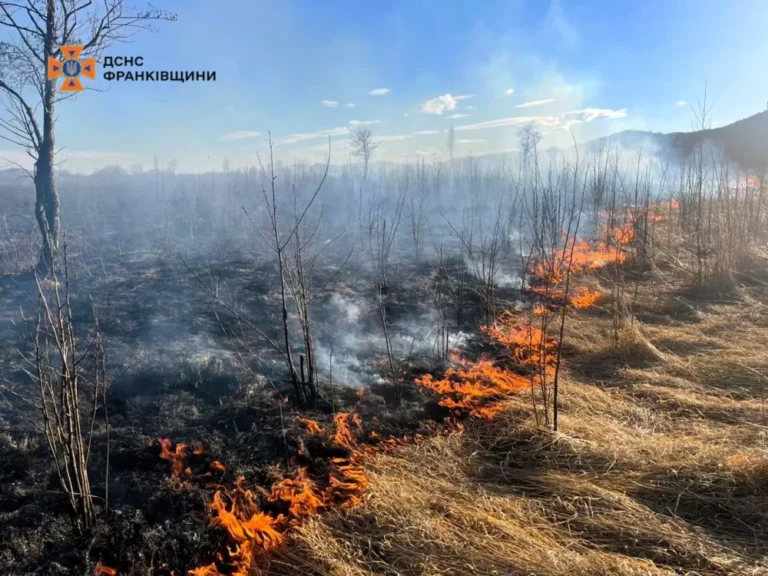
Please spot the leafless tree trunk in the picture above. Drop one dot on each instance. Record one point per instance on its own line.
(71, 386)
(451, 142)
(417, 216)
(40, 29)
(364, 147)
(293, 280)
(485, 245)
(380, 231)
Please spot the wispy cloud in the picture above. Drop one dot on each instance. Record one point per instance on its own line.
(464, 97)
(564, 120)
(294, 138)
(330, 132)
(590, 114)
(329, 103)
(549, 121)
(457, 116)
(429, 152)
(349, 105)
(510, 91)
(439, 104)
(379, 92)
(681, 103)
(238, 135)
(497, 151)
(471, 107)
(392, 138)
(533, 103)
(470, 140)
(356, 123)
(426, 132)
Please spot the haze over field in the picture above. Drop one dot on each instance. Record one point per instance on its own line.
(411, 288)
(408, 71)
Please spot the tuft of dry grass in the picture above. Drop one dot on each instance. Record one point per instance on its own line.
(660, 467)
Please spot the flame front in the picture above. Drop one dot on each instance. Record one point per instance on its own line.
(254, 530)
(103, 570)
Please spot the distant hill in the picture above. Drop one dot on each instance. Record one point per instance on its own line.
(744, 142)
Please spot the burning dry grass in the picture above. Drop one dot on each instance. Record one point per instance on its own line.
(477, 389)
(451, 507)
(655, 470)
(257, 522)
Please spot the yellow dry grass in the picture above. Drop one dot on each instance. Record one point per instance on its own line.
(660, 466)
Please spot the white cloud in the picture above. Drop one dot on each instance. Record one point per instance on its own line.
(548, 121)
(429, 152)
(379, 92)
(392, 138)
(331, 132)
(464, 97)
(439, 104)
(238, 135)
(533, 103)
(564, 120)
(589, 114)
(470, 140)
(681, 103)
(426, 132)
(497, 151)
(457, 116)
(329, 103)
(294, 138)
(356, 123)
(471, 107)
(510, 91)
(349, 105)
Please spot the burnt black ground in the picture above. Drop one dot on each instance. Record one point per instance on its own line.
(174, 375)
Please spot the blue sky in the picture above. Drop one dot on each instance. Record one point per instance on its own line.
(484, 67)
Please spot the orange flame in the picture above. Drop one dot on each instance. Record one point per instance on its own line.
(343, 436)
(254, 531)
(177, 458)
(476, 388)
(581, 256)
(300, 493)
(103, 570)
(312, 426)
(585, 298)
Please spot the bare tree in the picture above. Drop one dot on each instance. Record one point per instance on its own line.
(71, 388)
(484, 249)
(292, 280)
(300, 267)
(418, 216)
(451, 143)
(38, 30)
(529, 139)
(380, 226)
(364, 147)
(553, 210)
